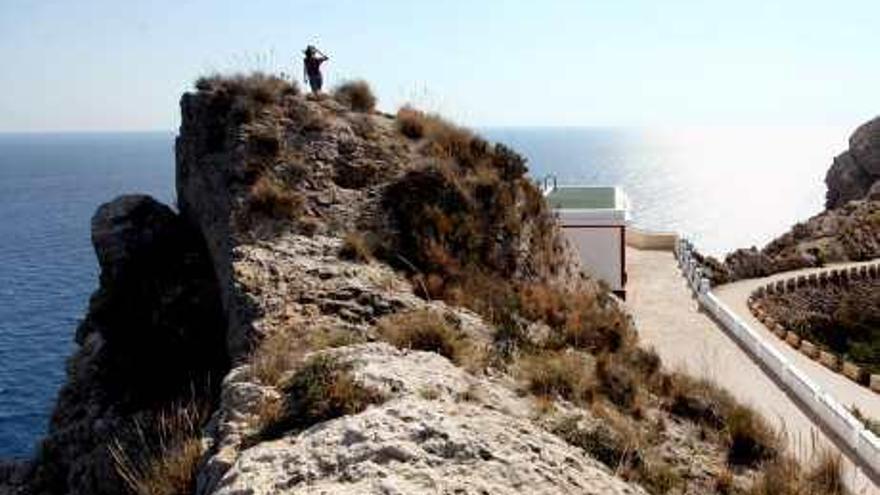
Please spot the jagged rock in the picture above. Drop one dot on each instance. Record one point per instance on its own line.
(154, 334)
(847, 230)
(413, 444)
(855, 171)
(865, 145)
(125, 230)
(846, 181)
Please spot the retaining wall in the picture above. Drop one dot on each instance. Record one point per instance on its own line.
(643, 239)
(840, 277)
(864, 444)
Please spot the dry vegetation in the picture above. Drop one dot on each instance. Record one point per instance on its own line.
(270, 197)
(470, 228)
(569, 375)
(356, 95)
(321, 389)
(355, 247)
(161, 455)
(427, 330)
(785, 476)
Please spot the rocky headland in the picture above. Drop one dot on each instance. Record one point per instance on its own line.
(848, 229)
(347, 301)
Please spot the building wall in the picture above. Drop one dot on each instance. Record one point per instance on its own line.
(601, 251)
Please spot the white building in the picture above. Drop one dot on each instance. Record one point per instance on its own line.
(594, 218)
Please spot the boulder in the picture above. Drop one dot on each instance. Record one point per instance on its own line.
(864, 144)
(846, 181)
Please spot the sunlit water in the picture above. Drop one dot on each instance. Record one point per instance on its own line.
(728, 188)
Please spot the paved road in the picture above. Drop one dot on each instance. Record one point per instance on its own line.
(844, 390)
(669, 319)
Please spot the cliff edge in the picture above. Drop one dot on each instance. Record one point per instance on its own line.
(354, 302)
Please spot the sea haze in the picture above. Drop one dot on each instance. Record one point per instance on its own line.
(726, 187)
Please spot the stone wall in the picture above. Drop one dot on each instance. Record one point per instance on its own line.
(839, 277)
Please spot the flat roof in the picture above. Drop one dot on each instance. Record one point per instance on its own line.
(583, 198)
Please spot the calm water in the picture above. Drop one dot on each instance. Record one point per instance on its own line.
(49, 187)
(727, 187)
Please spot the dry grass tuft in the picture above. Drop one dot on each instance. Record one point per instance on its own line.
(698, 400)
(276, 355)
(601, 442)
(321, 389)
(272, 198)
(751, 440)
(356, 95)
(411, 123)
(427, 330)
(568, 375)
(164, 457)
(622, 384)
(355, 248)
(786, 476)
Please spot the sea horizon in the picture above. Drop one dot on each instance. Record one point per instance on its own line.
(725, 190)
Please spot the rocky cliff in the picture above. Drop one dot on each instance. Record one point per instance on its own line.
(848, 229)
(354, 302)
(855, 173)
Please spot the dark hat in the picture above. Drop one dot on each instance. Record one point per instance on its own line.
(310, 49)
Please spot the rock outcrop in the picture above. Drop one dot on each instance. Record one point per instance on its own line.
(308, 228)
(154, 335)
(441, 430)
(848, 230)
(855, 171)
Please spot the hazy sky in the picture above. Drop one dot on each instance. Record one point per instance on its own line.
(120, 65)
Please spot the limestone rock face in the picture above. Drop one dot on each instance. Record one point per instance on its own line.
(855, 171)
(427, 438)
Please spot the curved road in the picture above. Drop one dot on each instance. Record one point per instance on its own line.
(846, 392)
(669, 319)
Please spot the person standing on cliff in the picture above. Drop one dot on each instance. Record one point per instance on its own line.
(312, 68)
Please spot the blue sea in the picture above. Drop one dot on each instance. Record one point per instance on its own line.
(726, 187)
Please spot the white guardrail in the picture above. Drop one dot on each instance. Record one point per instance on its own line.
(862, 442)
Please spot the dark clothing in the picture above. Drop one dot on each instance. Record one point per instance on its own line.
(313, 71)
(315, 82)
(313, 66)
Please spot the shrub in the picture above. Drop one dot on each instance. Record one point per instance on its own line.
(424, 330)
(411, 122)
(751, 440)
(600, 442)
(322, 389)
(278, 353)
(355, 248)
(580, 319)
(356, 95)
(785, 476)
(698, 400)
(565, 374)
(262, 87)
(618, 382)
(239, 99)
(164, 457)
(270, 197)
(659, 477)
